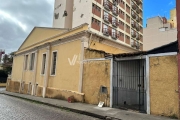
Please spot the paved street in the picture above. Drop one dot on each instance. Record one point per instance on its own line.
(12, 108)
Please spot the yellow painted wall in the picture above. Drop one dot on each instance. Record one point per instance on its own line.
(67, 76)
(17, 68)
(39, 34)
(95, 75)
(164, 86)
(107, 48)
(39, 77)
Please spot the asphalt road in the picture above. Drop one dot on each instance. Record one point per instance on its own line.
(12, 108)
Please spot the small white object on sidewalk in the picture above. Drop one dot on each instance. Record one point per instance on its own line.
(100, 104)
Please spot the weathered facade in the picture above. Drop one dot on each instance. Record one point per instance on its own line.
(59, 63)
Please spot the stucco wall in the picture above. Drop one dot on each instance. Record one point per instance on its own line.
(67, 74)
(95, 75)
(13, 86)
(17, 68)
(164, 85)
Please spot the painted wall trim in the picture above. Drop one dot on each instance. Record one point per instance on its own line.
(81, 66)
(35, 70)
(162, 54)
(99, 59)
(131, 58)
(46, 72)
(148, 86)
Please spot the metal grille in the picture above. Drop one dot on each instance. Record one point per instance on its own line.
(128, 84)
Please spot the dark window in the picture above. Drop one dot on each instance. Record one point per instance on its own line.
(53, 69)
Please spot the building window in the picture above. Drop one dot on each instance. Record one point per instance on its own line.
(54, 59)
(43, 64)
(31, 67)
(26, 62)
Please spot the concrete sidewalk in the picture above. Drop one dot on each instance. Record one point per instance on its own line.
(91, 110)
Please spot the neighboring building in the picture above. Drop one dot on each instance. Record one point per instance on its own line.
(173, 18)
(1, 68)
(119, 20)
(158, 32)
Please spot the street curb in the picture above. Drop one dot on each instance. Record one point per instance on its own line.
(66, 108)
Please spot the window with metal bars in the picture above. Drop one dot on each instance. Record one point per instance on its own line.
(53, 67)
(43, 64)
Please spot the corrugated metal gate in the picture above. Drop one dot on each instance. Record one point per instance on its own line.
(129, 85)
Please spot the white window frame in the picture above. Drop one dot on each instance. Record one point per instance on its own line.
(42, 63)
(30, 62)
(52, 59)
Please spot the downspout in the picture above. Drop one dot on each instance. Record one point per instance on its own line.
(34, 77)
(111, 85)
(22, 74)
(147, 85)
(46, 71)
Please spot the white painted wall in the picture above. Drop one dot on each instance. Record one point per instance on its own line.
(59, 7)
(82, 7)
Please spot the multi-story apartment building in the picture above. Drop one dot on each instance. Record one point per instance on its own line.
(119, 20)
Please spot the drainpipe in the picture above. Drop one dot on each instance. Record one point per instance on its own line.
(111, 85)
(46, 71)
(34, 76)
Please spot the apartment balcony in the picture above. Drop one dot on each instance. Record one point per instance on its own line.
(138, 2)
(133, 34)
(133, 44)
(137, 36)
(114, 23)
(138, 10)
(115, 10)
(137, 45)
(133, 14)
(133, 6)
(114, 35)
(105, 32)
(115, 2)
(137, 18)
(107, 5)
(133, 25)
(137, 27)
(106, 18)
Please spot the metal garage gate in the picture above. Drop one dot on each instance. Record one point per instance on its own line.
(129, 85)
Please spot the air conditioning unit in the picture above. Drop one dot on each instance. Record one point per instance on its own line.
(137, 45)
(114, 24)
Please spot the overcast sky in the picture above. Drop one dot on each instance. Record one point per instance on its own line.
(18, 18)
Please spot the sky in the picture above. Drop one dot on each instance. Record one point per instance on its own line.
(19, 17)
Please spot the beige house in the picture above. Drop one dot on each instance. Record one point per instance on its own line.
(56, 63)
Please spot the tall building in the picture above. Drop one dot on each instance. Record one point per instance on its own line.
(160, 31)
(119, 20)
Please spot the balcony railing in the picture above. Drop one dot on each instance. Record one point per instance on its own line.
(138, 10)
(133, 6)
(105, 31)
(133, 24)
(106, 18)
(115, 10)
(106, 5)
(137, 18)
(133, 34)
(114, 35)
(133, 14)
(114, 23)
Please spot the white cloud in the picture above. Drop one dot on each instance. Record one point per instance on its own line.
(9, 17)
